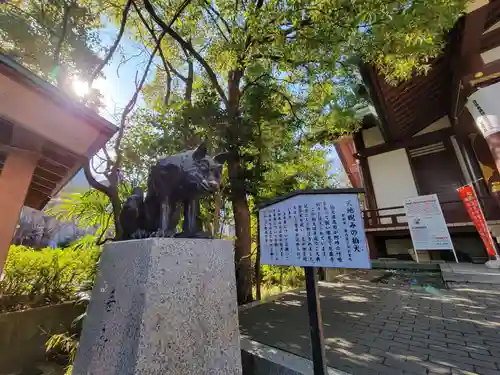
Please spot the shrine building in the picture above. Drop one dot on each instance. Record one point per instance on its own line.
(420, 137)
(45, 139)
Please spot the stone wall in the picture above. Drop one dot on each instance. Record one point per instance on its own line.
(23, 333)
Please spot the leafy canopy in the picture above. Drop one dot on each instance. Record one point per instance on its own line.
(55, 39)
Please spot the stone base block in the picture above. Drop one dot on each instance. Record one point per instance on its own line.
(162, 306)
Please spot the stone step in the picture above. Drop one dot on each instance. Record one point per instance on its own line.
(469, 273)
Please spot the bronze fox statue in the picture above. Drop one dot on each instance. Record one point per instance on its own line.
(174, 181)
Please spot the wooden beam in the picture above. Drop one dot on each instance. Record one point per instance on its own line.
(40, 189)
(420, 84)
(409, 142)
(470, 46)
(47, 175)
(365, 172)
(345, 151)
(35, 199)
(423, 119)
(58, 156)
(466, 59)
(40, 181)
(371, 80)
(493, 13)
(489, 72)
(57, 170)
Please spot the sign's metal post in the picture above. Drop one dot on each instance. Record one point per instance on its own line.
(315, 321)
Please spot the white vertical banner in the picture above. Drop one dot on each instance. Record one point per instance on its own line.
(485, 109)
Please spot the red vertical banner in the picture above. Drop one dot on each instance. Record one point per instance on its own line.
(469, 197)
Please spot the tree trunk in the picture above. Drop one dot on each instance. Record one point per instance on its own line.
(111, 192)
(238, 196)
(258, 295)
(117, 207)
(217, 211)
(243, 243)
(60, 77)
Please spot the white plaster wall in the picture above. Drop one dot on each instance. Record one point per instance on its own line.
(392, 179)
(491, 55)
(494, 27)
(442, 123)
(372, 137)
(396, 246)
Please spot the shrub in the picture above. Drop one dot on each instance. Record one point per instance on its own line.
(52, 274)
(280, 275)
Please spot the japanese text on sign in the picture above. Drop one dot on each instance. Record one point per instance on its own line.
(316, 230)
(426, 222)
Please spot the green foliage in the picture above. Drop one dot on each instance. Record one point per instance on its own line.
(291, 277)
(52, 274)
(65, 344)
(269, 81)
(90, 210)
(55, 39)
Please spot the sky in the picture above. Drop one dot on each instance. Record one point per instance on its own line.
(118, 86)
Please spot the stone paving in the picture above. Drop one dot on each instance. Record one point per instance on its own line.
(394, 328)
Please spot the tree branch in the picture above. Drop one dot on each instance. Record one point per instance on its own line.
(168, 29)
(166, 98)
(166, 64)
(287, 99)
(131, 104)
(176, 72)
(217, 25)
(113, 48)
(27, 15)
(125, 60)
(92, 181)
(252, 83)
(211, 10)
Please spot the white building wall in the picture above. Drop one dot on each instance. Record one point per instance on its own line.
(491, 55)
(372, 137)
(442, 123)
(392, 179)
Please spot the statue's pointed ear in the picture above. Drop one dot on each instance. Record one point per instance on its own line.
(222, 157)
(200, 152)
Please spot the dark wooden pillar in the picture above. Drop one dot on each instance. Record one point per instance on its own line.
(365, 172)
(372, 245)
(472, 165)
(371, 202)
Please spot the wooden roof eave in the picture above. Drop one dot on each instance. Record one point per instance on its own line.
(369, 78)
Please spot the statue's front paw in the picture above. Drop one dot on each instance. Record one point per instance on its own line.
(163, 233)
(138, 234)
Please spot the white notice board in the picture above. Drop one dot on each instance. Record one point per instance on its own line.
(314, 230)
(427, 225)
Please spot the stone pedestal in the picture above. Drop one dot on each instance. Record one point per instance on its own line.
(162, 307)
